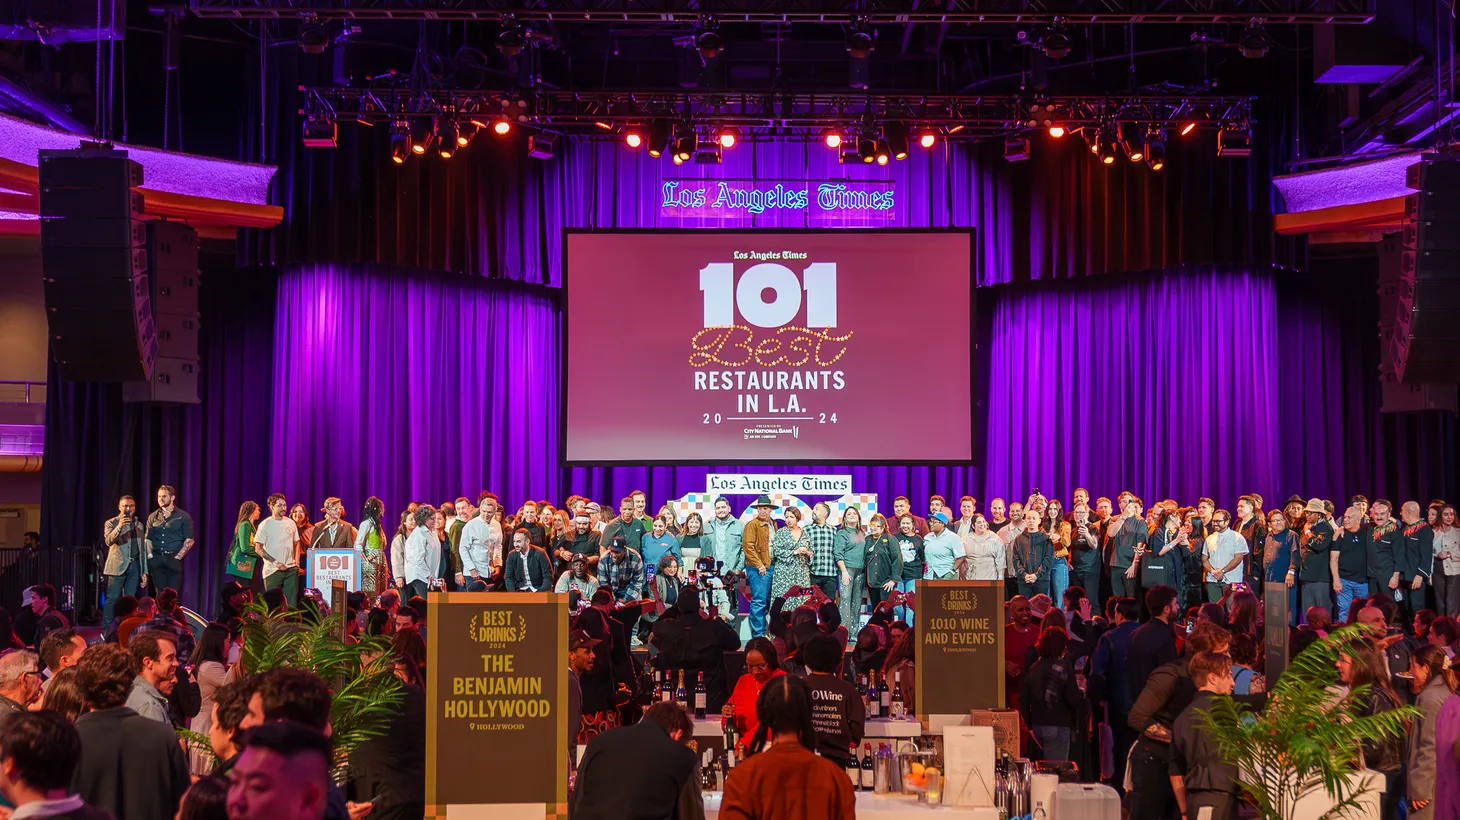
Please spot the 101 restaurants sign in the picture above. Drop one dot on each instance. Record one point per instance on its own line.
(862, 202)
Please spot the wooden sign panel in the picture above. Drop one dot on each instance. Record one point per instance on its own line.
(496, 698)
(960, 649)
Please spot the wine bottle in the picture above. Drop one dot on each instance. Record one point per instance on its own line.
(874, 704)
(897, 710)
(854, 772)
(681, 696)
(884, 696)
(868, 781)
(666, 688)
(700, 697)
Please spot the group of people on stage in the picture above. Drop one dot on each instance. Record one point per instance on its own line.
(1110, 548)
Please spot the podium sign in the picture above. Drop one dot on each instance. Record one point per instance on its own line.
(328, 565)
(497, 698)
(960, 649)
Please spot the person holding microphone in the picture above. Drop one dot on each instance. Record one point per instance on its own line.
(126, 555)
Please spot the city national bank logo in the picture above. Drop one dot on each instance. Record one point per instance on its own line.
(960, 600)
(498, 628)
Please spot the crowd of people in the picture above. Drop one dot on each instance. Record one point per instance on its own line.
(1119, 616)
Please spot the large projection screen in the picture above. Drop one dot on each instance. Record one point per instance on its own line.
(760, 347)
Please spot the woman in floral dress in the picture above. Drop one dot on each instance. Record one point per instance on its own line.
(370, 541)
(791, 559)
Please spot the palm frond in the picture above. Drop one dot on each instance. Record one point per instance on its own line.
(1308, 736)
(365, 693)
(200, 744)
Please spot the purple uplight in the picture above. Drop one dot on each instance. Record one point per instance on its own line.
(1346, 184)
(161, 170)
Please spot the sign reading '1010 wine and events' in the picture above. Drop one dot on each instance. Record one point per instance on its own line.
(497, 696)
(768, 346)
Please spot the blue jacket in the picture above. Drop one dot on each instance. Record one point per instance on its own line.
(1108, 675)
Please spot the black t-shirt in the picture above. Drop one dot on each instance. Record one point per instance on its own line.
(837, 714)
(1353, 554)
(996, 527)
(912, 555)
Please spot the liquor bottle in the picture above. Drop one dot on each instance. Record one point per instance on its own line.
(700, 697)
(732, 751)
(897, 708)
(854, 772)
(884, 695)
(681, 696)
(666, 688)
(874, 704)
(868, 780)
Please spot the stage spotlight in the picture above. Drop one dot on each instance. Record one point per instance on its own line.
(1016, 148)
(607, 126)
(955, 129)
(1188, 128)
(729, 135)
(658, 138)
(632, 138)
(867, 150)
(1234, 141)
(677, 159)
(314, 39)
(709, 43)
(883, 152)
(464, 132)
(1057, 131)
(1254, 41)
(861, 41)
(927, 138)
(1156, 153)
(422, 137)
(1055, 41)
(541, 146)
(685, 142)
(511, 39)
(1130, 140)
(895, 134)
(1106, 145)
(833, 138)
(400, 142)
(446, 135)
(501, 126)
(849, 155)
(320, 132)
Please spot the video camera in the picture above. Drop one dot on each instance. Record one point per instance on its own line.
(715, 584)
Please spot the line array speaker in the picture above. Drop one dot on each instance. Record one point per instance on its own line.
(172, 256)
(93, 260)
(1419, 280)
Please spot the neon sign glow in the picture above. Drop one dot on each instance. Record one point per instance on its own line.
(703, 198)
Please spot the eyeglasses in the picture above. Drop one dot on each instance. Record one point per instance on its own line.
(757, 667)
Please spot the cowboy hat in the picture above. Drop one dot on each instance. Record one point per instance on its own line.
(765, 501)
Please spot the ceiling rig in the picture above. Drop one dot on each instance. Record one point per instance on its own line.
(875, 12)
(700, 126)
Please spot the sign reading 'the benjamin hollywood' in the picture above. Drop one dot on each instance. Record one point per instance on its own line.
(497, 696)
(960, 650)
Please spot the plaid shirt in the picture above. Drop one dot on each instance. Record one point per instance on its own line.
(823, 555)
(623, 575)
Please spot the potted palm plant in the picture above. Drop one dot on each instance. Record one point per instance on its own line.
(365, 691)
(1300, 755)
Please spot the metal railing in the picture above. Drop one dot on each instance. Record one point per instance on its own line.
(22, 392)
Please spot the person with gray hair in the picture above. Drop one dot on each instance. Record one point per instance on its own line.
(20, 680)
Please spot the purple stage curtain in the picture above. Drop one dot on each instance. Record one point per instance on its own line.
(411, 385)
(1202, 382)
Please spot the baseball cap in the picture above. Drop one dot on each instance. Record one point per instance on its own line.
(580, 639)
(941, 516)
(619, 543)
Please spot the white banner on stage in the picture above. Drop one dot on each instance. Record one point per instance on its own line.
(767, 483)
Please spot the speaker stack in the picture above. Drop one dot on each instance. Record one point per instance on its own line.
(1419, 292)
(172, 266)
(94, 261)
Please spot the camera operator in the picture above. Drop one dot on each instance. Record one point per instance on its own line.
(689, 639)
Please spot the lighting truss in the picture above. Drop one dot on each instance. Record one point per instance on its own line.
(603, 114)
(835, 12)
